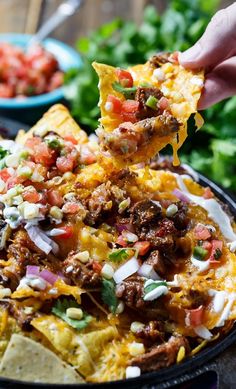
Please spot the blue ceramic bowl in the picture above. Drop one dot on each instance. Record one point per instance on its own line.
(29, 110)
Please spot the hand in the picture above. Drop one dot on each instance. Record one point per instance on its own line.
(215, 52)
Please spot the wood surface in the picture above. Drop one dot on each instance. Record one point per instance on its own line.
(27, 15)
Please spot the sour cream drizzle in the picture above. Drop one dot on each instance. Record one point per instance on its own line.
(213, 208)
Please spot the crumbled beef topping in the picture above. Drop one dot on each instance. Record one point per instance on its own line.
(131, 292)
(156, 261)
(162, 355)
(152, 332)
(159, 59)
(142, 95)
(81, 274)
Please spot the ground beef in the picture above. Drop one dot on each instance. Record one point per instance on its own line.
(156, 261)
(159, 59)
(161, 356)
(142, 95)
(131, 292)
(145, 213)
(104, 199)
(180, 219)
(81, 274)
(152, 332)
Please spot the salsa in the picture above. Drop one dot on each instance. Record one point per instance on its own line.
(27, 73)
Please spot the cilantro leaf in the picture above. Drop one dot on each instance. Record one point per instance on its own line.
(118, 255)
(129, 93)
(3, 153)
(60, 308)
(109, 295)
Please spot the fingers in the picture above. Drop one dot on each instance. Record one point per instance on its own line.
(217, 43)
(220, 83)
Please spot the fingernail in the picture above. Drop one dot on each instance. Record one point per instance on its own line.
(190, 55)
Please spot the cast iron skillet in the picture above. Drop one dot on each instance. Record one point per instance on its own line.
(205, 361)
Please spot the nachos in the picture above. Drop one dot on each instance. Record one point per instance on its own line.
(108, 271)
(146, 107)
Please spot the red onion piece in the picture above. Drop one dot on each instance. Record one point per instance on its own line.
(181, 196)
(48, 276)
(125, 227)
(32, 270)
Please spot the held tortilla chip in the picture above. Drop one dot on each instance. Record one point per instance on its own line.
(27, 360)
(135, 129)
(58, 120)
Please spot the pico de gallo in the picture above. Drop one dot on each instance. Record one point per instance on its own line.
(27, 73)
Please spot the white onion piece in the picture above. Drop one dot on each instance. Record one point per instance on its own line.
(54, 245)
(181, 183)
(55, 232)
(201, 265)
(226, 312)
(126, 270)
(147, 271)
(34, 235)
(203, 332)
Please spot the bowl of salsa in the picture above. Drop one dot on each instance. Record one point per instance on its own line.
(31, 76)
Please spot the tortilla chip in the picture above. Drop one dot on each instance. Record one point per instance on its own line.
(58, 120)
(182, 88)
(80, 349)
(27, 360)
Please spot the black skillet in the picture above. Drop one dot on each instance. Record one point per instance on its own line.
(219, 357)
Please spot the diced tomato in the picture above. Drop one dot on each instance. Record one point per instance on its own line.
(54, 198)
(129, 110)
(216, 251)
(120, 240)
(207, 245)
(116, 103)
(44, 155)
(4, 174)
(31, 195)
(194, 317)
(69, 231)
(32, 142)
(13, 181)
(71, 207)
(142, 246)
(64, 164)
(70, 138)
(201, 232)
(125, 78)
(164, 103)
(97, 267)
(207, 193)
(6, 91)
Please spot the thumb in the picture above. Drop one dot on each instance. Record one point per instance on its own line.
(217, 43)
(220, 83)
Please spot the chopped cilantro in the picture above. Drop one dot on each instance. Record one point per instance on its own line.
(60, 308)
(154, 285)
(119, 255)
(3, 153)
(129, 93)
(109, 295)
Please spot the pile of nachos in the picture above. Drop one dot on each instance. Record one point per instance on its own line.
(113, 261)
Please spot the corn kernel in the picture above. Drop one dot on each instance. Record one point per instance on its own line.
(136, 326)
(120, 308)
(136, 349)
(5, 292)
(30, 211)
(74, 313)
(56, 212)
(68, 176)
(181, 354)
(167, 68)
(82, 256)
(24, 171)
(107, 271)
(171, 210)
(17, 200)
